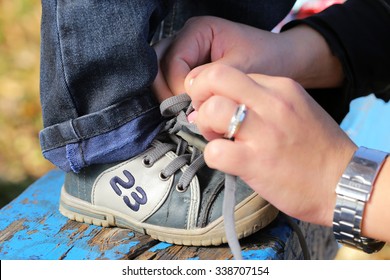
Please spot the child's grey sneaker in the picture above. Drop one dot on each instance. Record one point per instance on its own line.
(166, 192)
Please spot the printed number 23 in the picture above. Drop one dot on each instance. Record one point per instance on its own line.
(139, 196)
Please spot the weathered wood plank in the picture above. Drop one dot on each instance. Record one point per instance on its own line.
(31, 227)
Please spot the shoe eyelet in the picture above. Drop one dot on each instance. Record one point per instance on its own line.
(163, 177)
(146, 162)
(180, 188)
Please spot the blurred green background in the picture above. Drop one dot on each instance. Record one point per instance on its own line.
(21, 161)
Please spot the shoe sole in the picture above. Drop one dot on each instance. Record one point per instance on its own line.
(251, 215)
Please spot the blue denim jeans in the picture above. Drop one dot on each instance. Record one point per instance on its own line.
(97, 66)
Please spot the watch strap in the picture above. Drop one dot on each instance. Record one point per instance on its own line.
(353, 191)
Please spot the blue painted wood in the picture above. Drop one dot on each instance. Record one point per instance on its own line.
(368, 123)
(31, 226)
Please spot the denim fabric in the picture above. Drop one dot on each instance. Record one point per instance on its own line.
(97, 66)
(96, 69)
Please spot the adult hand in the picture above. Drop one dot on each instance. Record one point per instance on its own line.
(299, 53)
(288, 149)
(209, 39)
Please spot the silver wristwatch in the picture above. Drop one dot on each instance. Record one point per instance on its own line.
(353, 191)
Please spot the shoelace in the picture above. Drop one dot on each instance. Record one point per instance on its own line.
(174, 107)
(177, 109)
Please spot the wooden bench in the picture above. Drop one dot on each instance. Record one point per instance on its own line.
(31, 226)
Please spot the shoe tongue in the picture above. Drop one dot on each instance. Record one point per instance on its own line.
(193, 139)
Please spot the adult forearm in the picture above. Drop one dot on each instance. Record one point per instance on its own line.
(357, 33)
(376, 218)
(309, 60)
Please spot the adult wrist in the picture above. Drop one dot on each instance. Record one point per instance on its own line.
(312, 61)
(376, 212)
(353, 193)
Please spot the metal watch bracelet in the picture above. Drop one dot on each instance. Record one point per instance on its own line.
(353, 191)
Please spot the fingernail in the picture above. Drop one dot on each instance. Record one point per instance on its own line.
(191, 82)
(192, 117)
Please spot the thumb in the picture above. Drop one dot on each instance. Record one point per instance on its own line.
(160, 86)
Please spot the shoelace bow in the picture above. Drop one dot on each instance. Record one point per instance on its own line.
(177, 108)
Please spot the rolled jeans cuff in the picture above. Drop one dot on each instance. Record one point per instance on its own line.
(114, 134)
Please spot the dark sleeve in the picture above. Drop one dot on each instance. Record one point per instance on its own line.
(358, 33)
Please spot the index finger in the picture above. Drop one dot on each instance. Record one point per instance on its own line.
(223, 80)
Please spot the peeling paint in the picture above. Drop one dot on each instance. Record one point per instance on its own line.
(160, 246)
